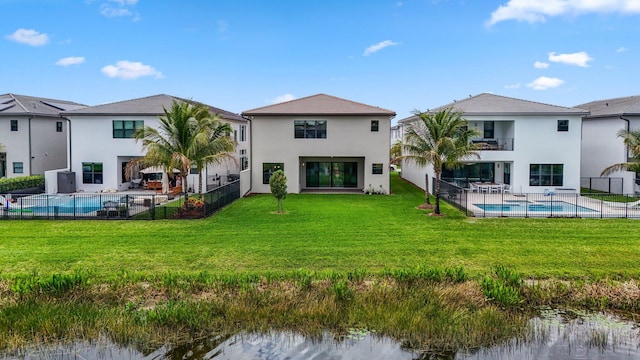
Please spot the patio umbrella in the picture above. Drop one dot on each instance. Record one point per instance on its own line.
(156, 170)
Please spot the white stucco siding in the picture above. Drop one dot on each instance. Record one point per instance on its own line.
(92, 142)
(347, 137)
(48, 146)
(16, 144)
(536, 141)
(602, 147)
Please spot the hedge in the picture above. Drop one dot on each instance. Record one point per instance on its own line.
(18, 183)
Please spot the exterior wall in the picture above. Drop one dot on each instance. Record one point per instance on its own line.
(16, 144)
(601, 147)
(347, 137)
(92, 141)
(536, 141)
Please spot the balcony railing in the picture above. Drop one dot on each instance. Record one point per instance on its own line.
(495, 144)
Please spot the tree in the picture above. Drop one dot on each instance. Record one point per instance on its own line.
(631, 139)
(218, 147)
(183, 138)
(278, 184)
(396, 152)
(441, 139)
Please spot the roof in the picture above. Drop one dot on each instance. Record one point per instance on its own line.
(319, 104)
(13, 104)
(490, 104)
(145, 106)
(629, 105)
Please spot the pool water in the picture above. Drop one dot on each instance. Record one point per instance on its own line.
(65, 204)
(539, 206)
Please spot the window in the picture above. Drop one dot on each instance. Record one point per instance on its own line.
(243, 133)
(91, 173)
(545, 174)
(235, 135)
(244, 160)
(310, 129)
(563, 125)
(374, 125)
(14, 125)
(268, 169)
(376, 169)
(58, 126)
(194, 169)
(488, 129)
(18, 168)
(124, 129)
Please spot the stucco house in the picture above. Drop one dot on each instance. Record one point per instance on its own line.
(102, 143)
(33, 135)
(321, 142)
(529, 146)
(601, 146)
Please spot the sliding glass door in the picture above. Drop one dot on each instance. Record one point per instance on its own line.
(332, 174)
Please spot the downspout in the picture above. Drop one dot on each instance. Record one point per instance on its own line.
(30, 157)
(250, 152)
(69, 162)
(628, 128)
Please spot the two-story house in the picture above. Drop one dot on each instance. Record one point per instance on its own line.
(32, 134)
(102, 143)
(529, 146)
(602, 147)
(321, 142)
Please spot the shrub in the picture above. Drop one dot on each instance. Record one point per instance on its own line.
(19, 183)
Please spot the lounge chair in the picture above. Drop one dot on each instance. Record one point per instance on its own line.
(622, 205)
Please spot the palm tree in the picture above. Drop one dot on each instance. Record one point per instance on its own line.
(182, 139)
(396, 152)
(442, 140)
(218, 147)
(631, 139)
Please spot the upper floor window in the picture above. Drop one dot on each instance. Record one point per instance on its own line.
(58, 126)
(563, 125)
(488, 130)
(243, 132)
(244, 160)
(310, 129)
(545, 174)
(14, 125)
(374, 125)
(124, 129)
(376, 168)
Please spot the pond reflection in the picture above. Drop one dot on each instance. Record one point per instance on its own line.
(553, 335)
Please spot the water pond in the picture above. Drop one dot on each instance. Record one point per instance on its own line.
(553, 335)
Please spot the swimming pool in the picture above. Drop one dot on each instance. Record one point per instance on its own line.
(61, 204)
(518, 207)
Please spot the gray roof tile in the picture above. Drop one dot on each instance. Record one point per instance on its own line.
(145, 106)
(629, 105)
(13, 104)
(490, 104)
(320, 104)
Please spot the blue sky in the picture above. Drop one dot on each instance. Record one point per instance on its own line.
(400, 55)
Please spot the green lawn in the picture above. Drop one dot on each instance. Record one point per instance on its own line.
(323, 232)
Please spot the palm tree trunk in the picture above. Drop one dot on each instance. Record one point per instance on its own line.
(200, 183)
(426, 188)
(437, 193)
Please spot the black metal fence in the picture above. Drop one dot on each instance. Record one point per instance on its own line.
(117, 206)
(611, 185)
(551, 204)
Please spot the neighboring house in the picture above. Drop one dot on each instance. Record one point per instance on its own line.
(601, 146)
(396, 133)
(530, 146)
(33, 134)
(321, 142)
(102, 143)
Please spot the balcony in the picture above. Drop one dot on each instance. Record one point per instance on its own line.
(494, 144)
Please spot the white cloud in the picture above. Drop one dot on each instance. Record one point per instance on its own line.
(512, 86)
(622, 49)
(125, 2)
(379, 46)
(579, 59)
(539, 10)
(540, 65)
(71, 60)
(29, 37)
(283, 98)
(544, 83)
(129, 70)
(109, 11)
